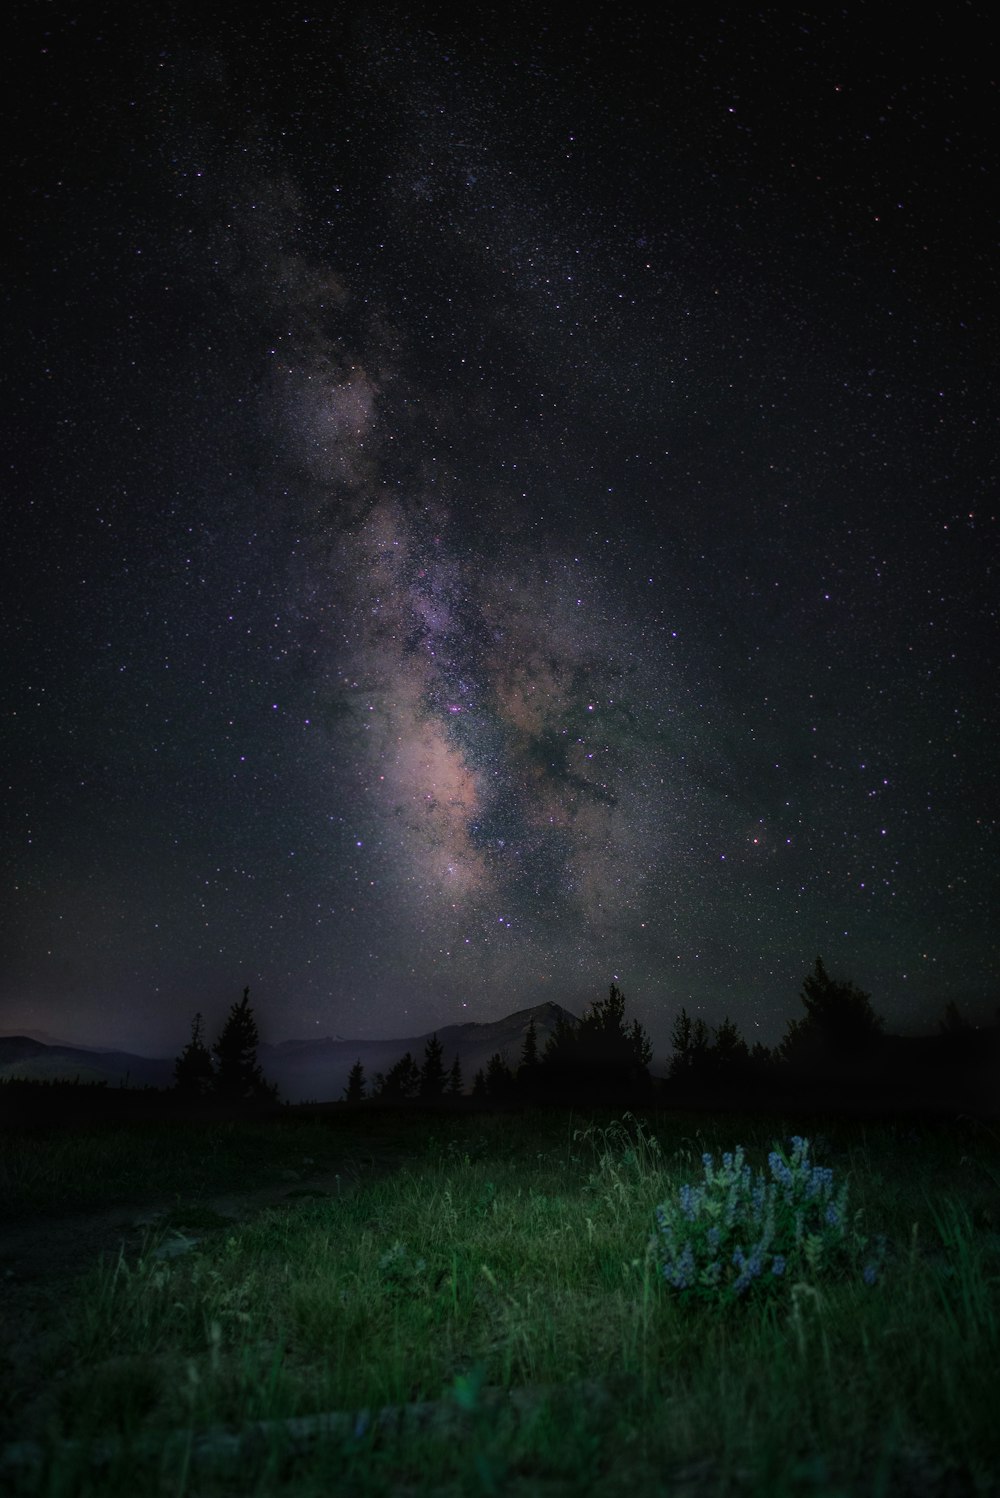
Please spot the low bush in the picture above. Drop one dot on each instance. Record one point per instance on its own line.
(739, 1231)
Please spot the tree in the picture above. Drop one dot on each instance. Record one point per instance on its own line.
(839, 1024)
(454, 1088)
(432, 1074)
(355, 1090)
(600, 1056)
(238, 1078)
(527, 1071)
(729, 1052)
(953, 1022)
(479, 1084)
(499, 1079)
(194, 1074)
(400, 1082)
(690, 1040)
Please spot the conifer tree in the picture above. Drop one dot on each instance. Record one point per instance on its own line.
(194, 1074)
(690, 1040)
(839, 1024)
(529, 1051)
(729, 1053)
(953, 1022)
(479, 1084)
(238, 1078)
(454, 1088)
(499, 1078)
(400, 1082)
(600, 1056)
(432, 1073)
(355, 1089)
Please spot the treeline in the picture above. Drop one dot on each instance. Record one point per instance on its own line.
(837, 1050)
(600, 1058)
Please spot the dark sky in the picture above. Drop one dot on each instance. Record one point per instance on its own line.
(497, 503)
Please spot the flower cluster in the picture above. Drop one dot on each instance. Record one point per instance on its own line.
(739, 1228)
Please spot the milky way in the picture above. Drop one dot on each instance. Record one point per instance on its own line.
(503, 509)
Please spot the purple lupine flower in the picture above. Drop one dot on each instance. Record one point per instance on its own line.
(869, 1274)
(778, 1266)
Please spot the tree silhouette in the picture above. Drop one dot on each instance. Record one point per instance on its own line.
(238, 1078)
(454, 1088)
(839, 1025)
(479, 1084)
(729, 1053)
(400, 1082)
(355, 1089)
(953, 1022)
(600, 1057)
(194, 1074)
(499, 1079)
(690, 1040)
(528, 1067)
(432, 1074)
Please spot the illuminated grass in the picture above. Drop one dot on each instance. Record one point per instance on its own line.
(514, 1255)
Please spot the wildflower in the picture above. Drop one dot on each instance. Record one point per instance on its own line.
(715, 1239)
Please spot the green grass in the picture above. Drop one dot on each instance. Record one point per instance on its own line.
(499, 1285)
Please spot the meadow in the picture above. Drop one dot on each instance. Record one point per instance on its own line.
(474, 1302)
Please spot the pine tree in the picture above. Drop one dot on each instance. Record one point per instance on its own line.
(615, 1059)
(690, 1040)
(194, 1074)
(479, 1084)
(953, 1022)
(529, 1051)
(400, 1082)
(839, 1024)
(235, 1051)
(455, 1078)
(499, 1078)
(729, 1053)
(432, 1074)
(355, 1089)
(599, 1057)
(238, 1078)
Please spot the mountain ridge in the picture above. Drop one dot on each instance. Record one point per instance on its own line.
(304, 1070)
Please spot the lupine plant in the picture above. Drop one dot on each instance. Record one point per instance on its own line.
(740, 1231)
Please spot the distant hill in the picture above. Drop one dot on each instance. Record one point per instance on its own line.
(21, 1056)
(304, 1070)
(316, 1070)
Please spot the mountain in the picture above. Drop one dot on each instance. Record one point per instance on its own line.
(304, 1070)
(22, 1056)
(316, 1070)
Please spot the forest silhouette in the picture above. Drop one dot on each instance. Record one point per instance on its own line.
(835, 1056)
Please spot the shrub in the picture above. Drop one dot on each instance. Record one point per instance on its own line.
(740, 1232)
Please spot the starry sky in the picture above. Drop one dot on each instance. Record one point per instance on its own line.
(497, 503)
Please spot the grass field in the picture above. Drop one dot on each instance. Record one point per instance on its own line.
(470, 1304)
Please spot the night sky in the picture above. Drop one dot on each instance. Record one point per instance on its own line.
(495, 504)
